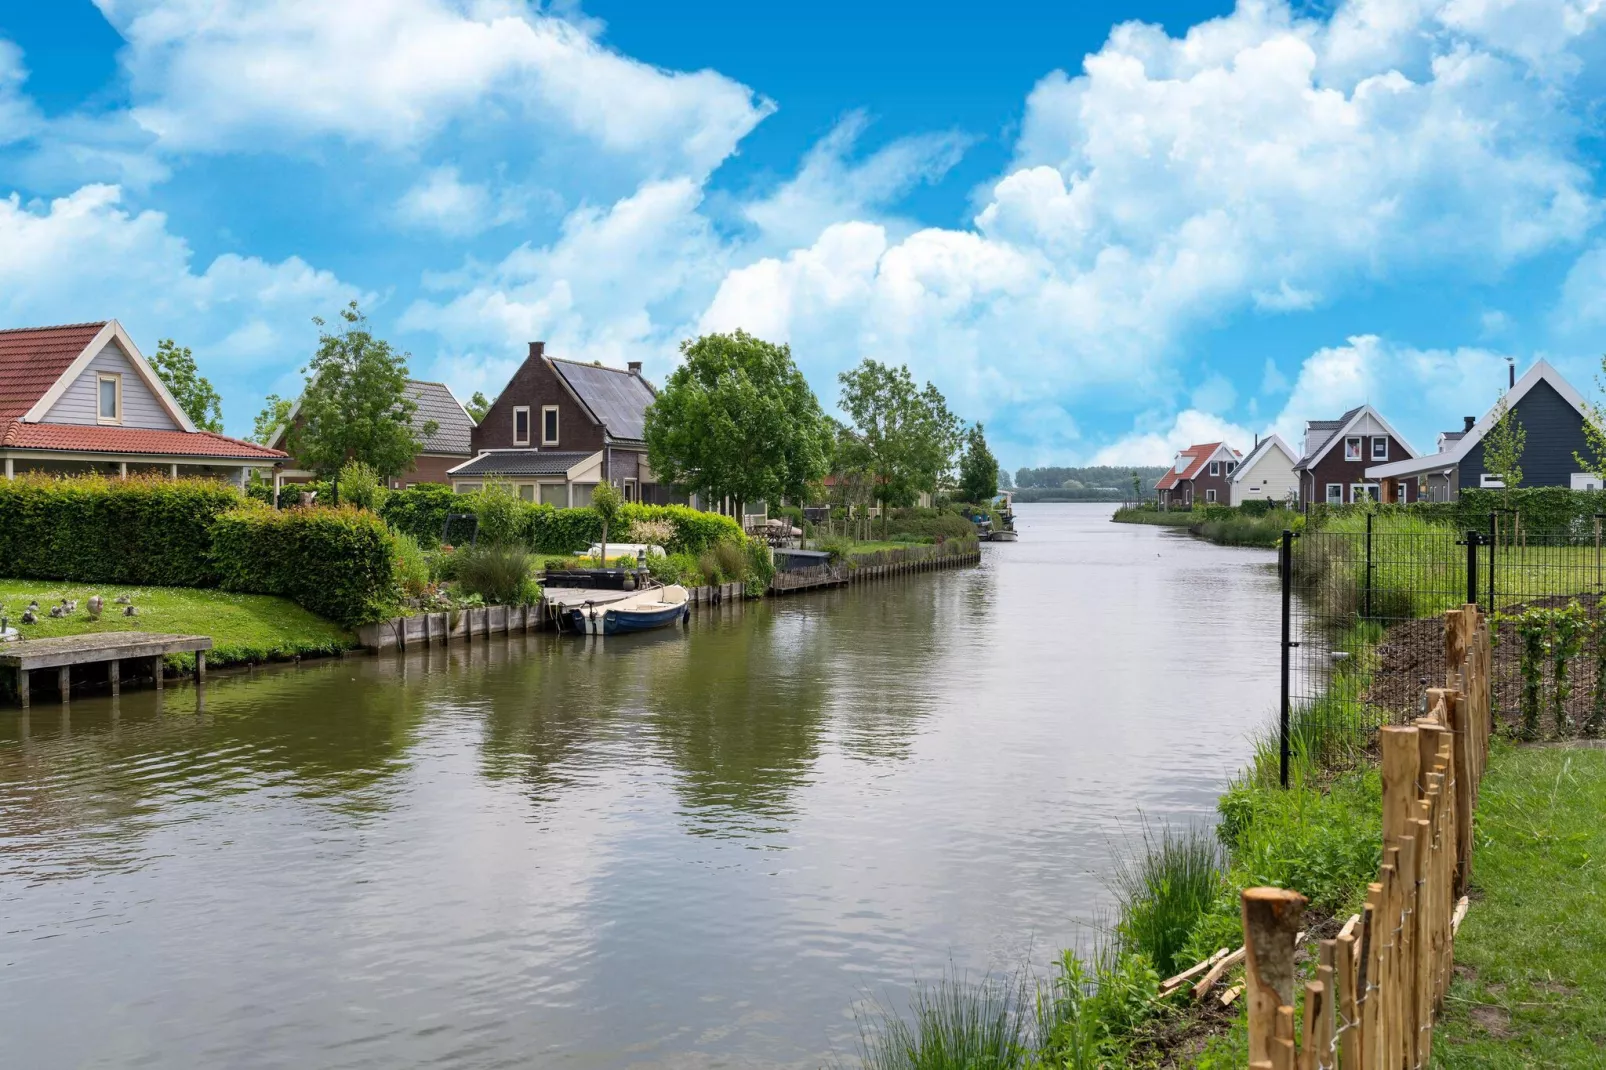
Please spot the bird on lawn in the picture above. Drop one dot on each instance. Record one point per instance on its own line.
(125, 599)
(130, 612)
(29, 616)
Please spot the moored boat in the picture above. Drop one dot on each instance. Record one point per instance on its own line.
(656, 607)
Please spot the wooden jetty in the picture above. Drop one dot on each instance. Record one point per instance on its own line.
(110, 649)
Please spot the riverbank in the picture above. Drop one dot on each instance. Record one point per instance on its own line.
(1220, 524)
(244, 628)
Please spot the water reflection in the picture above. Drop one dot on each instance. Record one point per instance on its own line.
(689, 848)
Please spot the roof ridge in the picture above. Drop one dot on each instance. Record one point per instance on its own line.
(590, 364)
(54, 327)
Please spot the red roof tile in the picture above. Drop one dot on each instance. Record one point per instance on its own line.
(80, 438)
(33, 358)
(1197, 456)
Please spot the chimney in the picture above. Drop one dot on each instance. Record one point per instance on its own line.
(1470, 420)
(634, 366)
(1511, 374)
(537, 350)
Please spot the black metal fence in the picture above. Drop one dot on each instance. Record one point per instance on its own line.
(1363, 624)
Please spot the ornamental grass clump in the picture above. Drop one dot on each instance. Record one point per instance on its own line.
(955, 1024)
(1164, 885)
(498, 572)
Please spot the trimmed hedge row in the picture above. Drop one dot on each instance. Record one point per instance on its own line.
(340, 563)
(420, 511)
(139, 531)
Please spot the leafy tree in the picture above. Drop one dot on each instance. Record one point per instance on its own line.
(737, 420)
(478, 406)
(355, 406)
(1503, 445)
(361, 486)
(175, 366)
(978, 468)
(1137, 485)
(606, 502)
(1004, 482)
(908, 435)
(274, 415)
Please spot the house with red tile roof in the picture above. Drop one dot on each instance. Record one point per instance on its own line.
(81, 398)
(1199, 474)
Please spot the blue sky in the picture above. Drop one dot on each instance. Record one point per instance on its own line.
(1105, 231)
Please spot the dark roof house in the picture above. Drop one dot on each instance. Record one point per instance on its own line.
(1333, 465)
(448, 444)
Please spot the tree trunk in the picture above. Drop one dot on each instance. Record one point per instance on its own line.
(604, 544)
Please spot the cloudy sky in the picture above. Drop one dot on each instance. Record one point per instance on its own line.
(1106, 232)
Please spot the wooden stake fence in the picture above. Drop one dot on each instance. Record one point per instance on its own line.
(1380, 985)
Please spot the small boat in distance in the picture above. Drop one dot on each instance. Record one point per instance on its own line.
(655, 607)
(1005, 532)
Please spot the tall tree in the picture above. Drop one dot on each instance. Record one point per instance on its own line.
(908, 435)
(1503, 445)
(737, 420)
(978, 468)
(355, 406)
(478, 406)
(1004, 480)
(274, 415)
(175, 365)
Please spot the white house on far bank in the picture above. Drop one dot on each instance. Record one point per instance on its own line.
(1267, 474)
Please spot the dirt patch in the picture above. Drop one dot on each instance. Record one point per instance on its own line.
(1492, 1019)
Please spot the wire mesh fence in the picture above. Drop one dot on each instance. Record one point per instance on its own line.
(1364, 602)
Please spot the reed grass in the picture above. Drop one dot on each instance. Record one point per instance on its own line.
(1164, 883)
(955, 1024)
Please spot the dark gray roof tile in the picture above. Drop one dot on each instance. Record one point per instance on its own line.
(619, 399)
(520, 463)
(436, 402)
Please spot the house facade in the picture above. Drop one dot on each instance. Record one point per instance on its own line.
(1552, 415)
(1338, 453)
(559, 428)
(82, 398)
(1267, 473)
(1199, 475)
(447, 446)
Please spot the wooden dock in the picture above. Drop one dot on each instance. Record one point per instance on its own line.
(110, 649)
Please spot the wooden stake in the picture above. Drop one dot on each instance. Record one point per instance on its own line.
(1270, 918)
(1400, 770)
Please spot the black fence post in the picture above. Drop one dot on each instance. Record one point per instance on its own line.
(1473, 538)
(1494, 549)
(1285, 567)
(1368, 613)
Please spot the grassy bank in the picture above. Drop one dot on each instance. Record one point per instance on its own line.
(1157, 517)
(1220, 524)
(1530, 985)
(243, 627)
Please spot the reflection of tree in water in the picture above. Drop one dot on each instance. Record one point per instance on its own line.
(87, 784)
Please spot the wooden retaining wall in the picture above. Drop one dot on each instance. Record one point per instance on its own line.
(877, 566)
(1381, 984)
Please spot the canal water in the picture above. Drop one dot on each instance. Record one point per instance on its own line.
(705, 848)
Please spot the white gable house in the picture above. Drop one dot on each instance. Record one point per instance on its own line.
(1267, 474)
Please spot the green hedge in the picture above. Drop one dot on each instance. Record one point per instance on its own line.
(1544, 510)
(339, 563)
(420, 511)
(93, 529)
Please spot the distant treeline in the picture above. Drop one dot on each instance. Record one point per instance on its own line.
(1101, 483)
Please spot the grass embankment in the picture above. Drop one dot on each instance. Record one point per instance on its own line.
(1530, 986)
(1221, 525)
(1175, 518)
(243, 627)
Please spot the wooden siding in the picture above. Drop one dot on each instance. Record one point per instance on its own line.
(1273, 473)
(141, 407)
(1333, 468)
(1555, 431)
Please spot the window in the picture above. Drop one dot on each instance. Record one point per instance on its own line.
(555, 494)
(1585, 481)
(526, 492)
(521, 425)
(630, 490)
(549, 425)
(1352, 449)
(109, 406)
(468, 488)
(1210, 494)
(1231, 467)
(582, 494)
(1335, 494)
(1380, 448)
(1359, 492)
(1490, 480)
(1215, 468)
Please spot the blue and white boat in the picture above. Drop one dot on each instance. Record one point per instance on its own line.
(655, 607)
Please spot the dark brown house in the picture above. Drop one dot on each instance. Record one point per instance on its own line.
(1338, 452)
(447, 446)
(560, 427)
(1200, 475)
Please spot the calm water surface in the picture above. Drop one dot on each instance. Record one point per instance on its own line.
(691, 849)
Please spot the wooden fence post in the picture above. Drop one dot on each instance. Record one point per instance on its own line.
(1271, 920)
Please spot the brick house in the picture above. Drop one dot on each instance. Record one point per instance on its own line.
(446, 447)
(560, 427)
(1200, 474)
(1337, 454)
(82, 398)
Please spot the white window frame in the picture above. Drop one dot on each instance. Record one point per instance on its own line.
(1232, 466)
(517, 410)
(1490, 481)
(632, 490)
(1357, 454)
(116, 379)
(1215, 468)
(1380, 440)
(1333, 499)
(1210, 494)
(1366, 492)
(1584, 481)
(468, 488)
(528, 493)
(553, 440)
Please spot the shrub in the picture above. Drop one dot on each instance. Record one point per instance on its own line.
(361, 486)
(497, 572)
(838, 547)
(652, 532)
(731, 557)
(1165, 886)
(339, 563)
(139, 531)
(420, 511)
(694, 530)
(945, 525)
(550, 530)
(760, 567)
(500, 514)
(413, 572)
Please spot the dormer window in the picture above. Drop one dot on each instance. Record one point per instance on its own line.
(521, 425)
(1352, 448)
(109, 398)
(549, 425)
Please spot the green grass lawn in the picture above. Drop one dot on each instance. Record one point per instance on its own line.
(243, 627)
(1530, 988)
